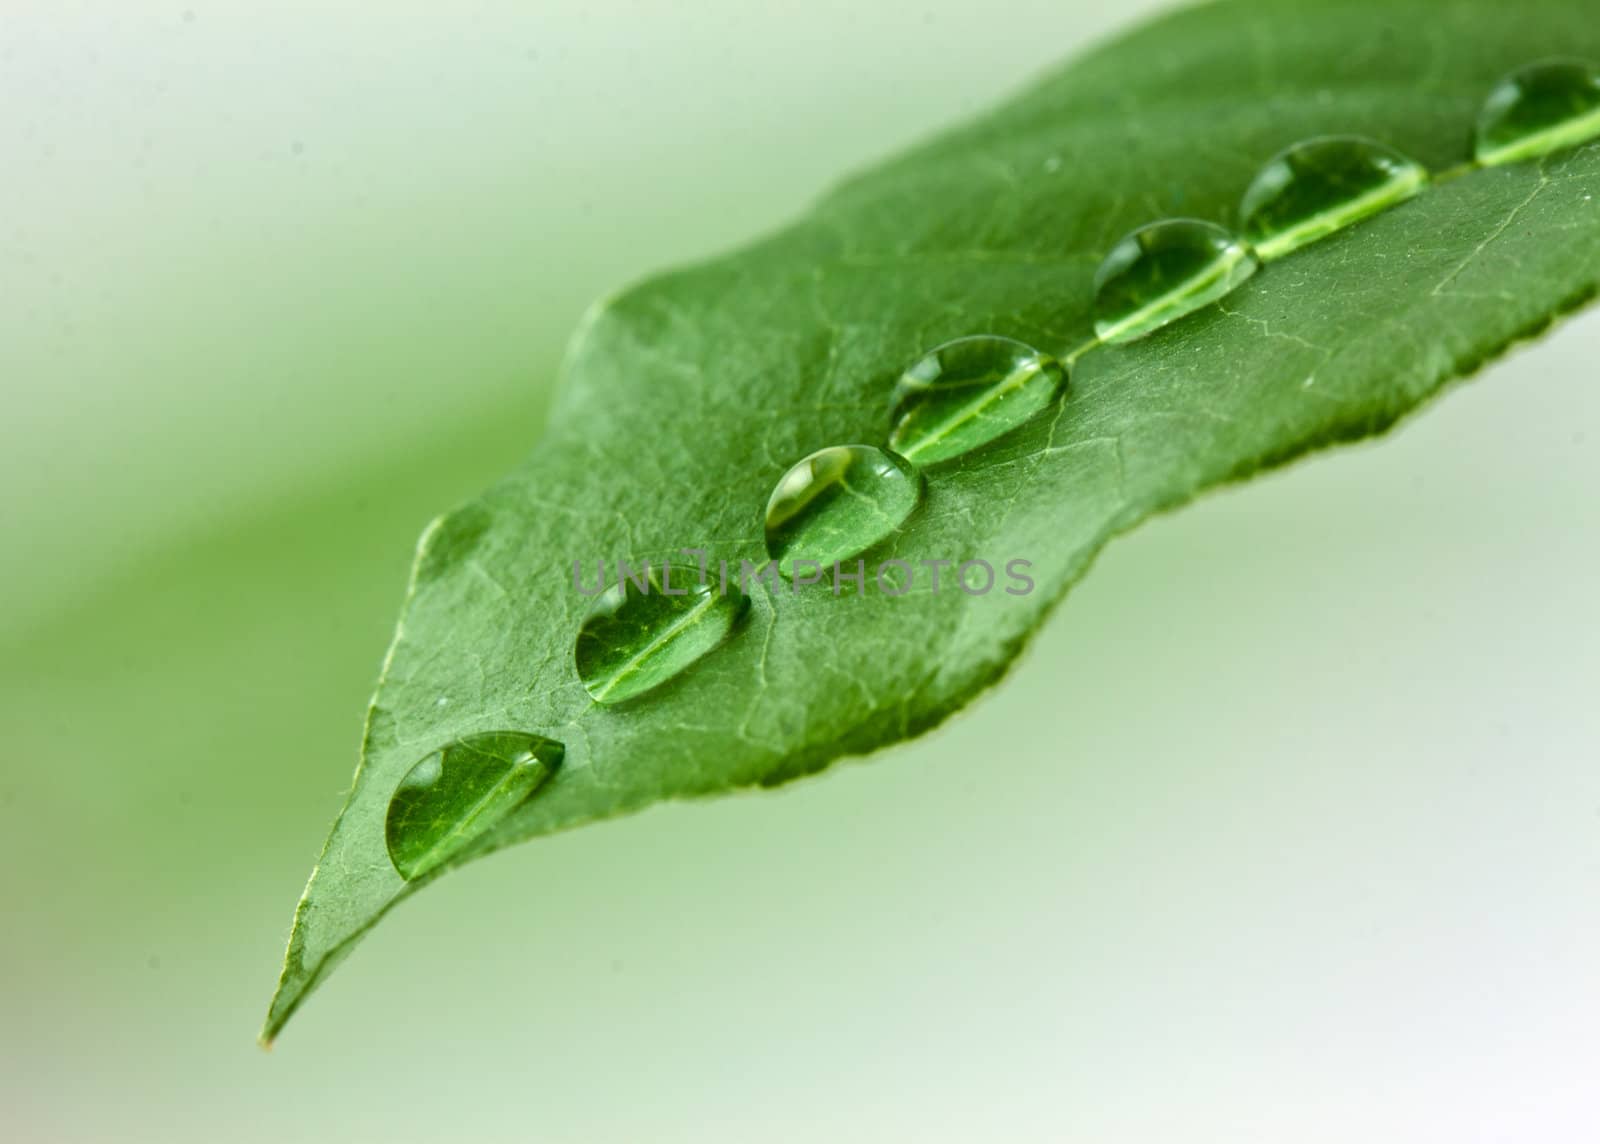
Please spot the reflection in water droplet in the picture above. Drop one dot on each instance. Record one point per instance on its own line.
(460, 791)
(1318, 186)
(838, 502)
(966, 393)
(1541, 108)
(1163, 271)
(635, 640)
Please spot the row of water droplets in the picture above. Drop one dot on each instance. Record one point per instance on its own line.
(842, 500)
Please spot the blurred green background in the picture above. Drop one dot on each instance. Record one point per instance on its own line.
(1287, 829)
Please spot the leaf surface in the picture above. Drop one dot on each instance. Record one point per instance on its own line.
(684, 399)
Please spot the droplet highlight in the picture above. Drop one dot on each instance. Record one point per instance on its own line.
(1541, 108)
(637, 638)
(1164, 271)
(966, 393)
(837, 503)
(1319, 186)
(460, 791)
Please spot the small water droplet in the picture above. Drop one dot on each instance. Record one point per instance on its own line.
(837, 503)
(966, 393)
(460, 791)
(1163, 271)
(1541, 108)
(1316, 187)
(634, 639)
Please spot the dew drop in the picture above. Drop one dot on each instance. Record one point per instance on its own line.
(1316, 187)
(966, 393)
(635, 639)
(460, 791)
(1163, 271)
(1541, 108)
(839, 502)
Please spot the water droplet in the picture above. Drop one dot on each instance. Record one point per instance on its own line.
(837, 503)
(966, 393)
(1163, 271)
(1309, 190)
(1541, 108)
(460, 791)
(636, 639)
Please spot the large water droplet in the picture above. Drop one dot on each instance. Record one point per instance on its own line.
(637, 638)
(966, 393)
(1542, 108)
(837, 503)
(1316, 187)
(460, 791)
(1163, 271)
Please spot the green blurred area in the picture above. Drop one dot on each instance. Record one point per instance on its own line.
(1288, 825)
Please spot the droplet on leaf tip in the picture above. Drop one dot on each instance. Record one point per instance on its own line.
(460, 791)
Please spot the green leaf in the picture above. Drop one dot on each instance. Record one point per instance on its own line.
(687, 397)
